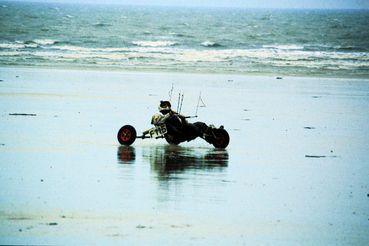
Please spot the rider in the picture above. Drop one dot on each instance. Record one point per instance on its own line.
(178, 125)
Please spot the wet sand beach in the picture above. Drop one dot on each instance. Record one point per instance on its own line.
(295, 172)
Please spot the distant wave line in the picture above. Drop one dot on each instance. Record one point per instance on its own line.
(267, 56)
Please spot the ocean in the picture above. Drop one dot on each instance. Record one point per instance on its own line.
(328, 43)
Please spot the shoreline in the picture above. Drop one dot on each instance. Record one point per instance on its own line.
(163, 71)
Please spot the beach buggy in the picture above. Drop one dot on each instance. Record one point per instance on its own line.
(175, 129)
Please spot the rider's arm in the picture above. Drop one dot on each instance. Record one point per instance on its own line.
(146, 132)
(183, 119)
(164, 118)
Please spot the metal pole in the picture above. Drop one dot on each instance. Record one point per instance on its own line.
(170, 93)
(198, 103)
(180, 108)
(179, 98)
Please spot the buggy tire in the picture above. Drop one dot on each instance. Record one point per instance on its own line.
(126, 135)
(221, 139)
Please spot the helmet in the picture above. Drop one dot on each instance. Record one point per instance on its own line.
(156, 119)
(164, 107)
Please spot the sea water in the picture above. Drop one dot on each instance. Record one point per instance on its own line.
(222, 40)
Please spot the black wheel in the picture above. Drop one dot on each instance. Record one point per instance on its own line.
(221, 139)
(127, 135)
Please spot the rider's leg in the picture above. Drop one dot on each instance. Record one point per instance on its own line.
(205, 131)
(201, 127)
(192, 131)
(175, 129)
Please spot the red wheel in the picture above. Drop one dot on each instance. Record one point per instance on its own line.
(127, 135)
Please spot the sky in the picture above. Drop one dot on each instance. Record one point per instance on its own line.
(341, 4)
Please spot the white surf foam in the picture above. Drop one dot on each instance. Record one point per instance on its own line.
(284, 47)
(12, 46)
(210, 44)
(72, 48)
(45, 41)
(175, 56)
(154, 43)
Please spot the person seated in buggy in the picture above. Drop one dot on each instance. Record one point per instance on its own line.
(179, 129)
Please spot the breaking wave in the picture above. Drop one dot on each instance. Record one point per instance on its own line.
(165, 55)
(154, 43)
(284, 47)
(210, 44)
(28, 44)
(45, 41)
(12, 46)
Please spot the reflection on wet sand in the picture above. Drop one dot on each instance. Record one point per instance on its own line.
(172, 159)
(169, 159)
(126, 154)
